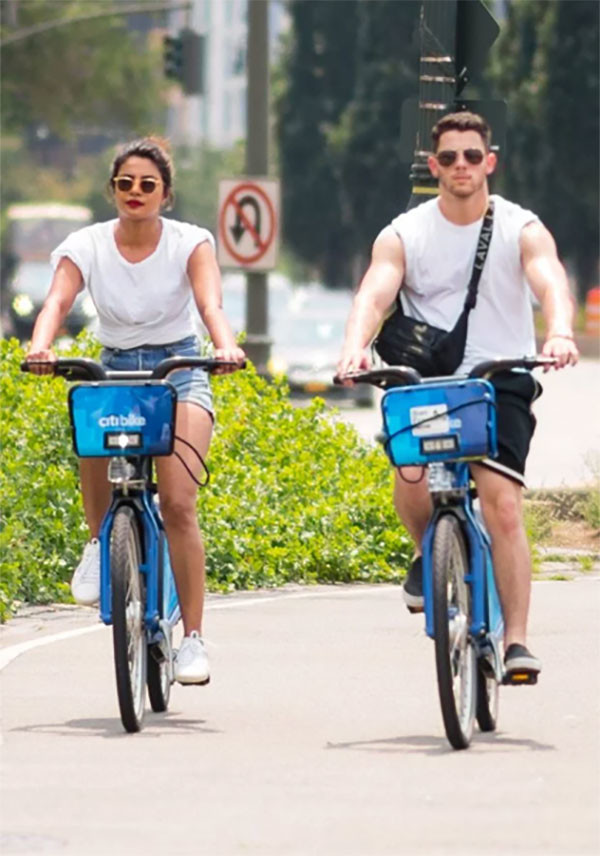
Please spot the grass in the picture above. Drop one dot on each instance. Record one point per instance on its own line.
(586, 562)
(563, 520)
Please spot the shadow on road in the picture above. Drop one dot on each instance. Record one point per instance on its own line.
(437, 745)
(155, 726)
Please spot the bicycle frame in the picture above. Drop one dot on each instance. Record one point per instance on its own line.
(487, 624)
(155, 564)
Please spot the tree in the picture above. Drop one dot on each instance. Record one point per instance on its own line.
(197, 182)
(571, 124)
(88, 72)
(375, 172)
(348, 67)
(546, 66)
(318, 82)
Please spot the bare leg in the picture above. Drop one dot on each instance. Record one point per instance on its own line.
(413, 503)
(177, 492)
(95, 491)
(501, 507)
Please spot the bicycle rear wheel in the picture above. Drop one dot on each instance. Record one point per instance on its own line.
(159, 681)
(128, 600)
(160, 666)
(488, 698)
(454, 653)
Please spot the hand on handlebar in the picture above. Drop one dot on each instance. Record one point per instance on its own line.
(41, 362)
(351, 361)
(562, 349)
(234, 355)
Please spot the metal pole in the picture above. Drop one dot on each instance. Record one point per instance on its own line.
(258, 343)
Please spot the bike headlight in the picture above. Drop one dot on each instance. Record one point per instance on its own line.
(22, 305)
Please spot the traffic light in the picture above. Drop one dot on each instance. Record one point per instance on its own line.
(183, 57)
(173, 57)
(476, 32)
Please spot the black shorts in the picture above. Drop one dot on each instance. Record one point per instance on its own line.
(515, 422)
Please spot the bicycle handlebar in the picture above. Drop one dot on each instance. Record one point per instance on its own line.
(488, 368)
(383, 376)
(86, 369)
(401, 375)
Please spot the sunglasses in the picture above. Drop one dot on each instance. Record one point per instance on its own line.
(448, 156)
(148, 184)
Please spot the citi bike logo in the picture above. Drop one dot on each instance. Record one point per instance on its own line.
(121, 421)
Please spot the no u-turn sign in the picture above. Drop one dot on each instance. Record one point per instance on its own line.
(248, 223)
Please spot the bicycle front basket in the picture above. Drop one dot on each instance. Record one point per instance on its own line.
(121, 418)
(442, 421)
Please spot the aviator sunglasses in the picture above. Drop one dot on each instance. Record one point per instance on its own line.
(147, 184)
(447, 157)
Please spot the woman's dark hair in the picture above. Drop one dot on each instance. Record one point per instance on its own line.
(156, 149)
(463, 121)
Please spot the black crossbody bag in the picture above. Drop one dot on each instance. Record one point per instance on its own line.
(403, 341)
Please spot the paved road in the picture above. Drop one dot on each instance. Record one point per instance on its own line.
(320, 734)
(566, 446)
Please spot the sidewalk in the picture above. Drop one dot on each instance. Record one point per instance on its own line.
(565, 450)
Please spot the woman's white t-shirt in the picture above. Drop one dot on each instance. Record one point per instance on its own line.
(439, 262)
(138, 303)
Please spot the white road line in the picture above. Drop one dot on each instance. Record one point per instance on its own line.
(9, 653)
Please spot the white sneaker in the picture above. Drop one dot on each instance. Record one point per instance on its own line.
(191, 664)
(85, 584)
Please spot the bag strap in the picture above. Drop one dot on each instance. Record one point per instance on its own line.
(481, 252)
(483, 245)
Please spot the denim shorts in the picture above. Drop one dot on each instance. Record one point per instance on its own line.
(191, 385)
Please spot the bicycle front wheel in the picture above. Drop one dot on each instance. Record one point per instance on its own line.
(454, 653)
(128, 600)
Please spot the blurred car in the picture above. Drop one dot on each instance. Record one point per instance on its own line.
(234, 300)
(307, 341)
(27, 291)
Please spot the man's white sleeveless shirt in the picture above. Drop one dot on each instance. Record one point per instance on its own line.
(439, 262)
(138, 303)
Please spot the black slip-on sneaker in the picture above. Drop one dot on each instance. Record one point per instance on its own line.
(520, 666)
(413, 587)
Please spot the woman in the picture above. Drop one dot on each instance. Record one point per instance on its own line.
(141, 271)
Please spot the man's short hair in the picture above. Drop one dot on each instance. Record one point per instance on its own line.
(463, 121)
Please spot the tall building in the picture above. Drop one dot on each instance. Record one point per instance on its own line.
(218, 117)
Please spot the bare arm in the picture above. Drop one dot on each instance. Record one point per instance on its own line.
(376, 293)
(205, 278)
(548, 280)
(66, 283)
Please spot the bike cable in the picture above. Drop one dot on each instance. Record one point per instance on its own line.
(198, 482)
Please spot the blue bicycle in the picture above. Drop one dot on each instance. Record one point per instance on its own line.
(129, 417)
(442, 424)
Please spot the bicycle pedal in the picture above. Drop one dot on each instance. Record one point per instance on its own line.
(157, 653)
(413, 610)
(487, 668)
(520, 677)
(189, 684)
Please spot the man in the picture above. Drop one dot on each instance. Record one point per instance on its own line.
(428, 253)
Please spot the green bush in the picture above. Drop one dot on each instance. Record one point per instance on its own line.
(591, 510)
(294, 495)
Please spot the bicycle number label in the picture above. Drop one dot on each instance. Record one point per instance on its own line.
(429, 420)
